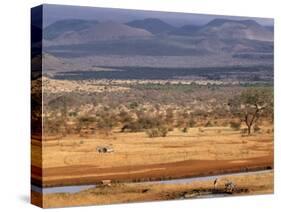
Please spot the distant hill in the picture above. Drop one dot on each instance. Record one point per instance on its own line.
(64, 26)
(153, 25)
(236, 29)
(220, 21)
(238, 40)
(101, 32)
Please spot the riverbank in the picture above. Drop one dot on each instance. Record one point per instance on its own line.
(246, 184)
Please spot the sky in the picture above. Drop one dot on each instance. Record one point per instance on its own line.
(53, 13)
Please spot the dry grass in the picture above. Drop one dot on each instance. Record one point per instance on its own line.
(137, 149)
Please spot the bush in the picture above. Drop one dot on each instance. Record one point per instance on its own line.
(146, 122)
(157, 132)
(125, 117)
(132, 126)
(133, 105)
(170, 128)
(224, 123)
(208, 124)
(244, 131)
(150, 121)
(257, 128)
(191, 123)
(235, 125)
(105, 121)
(54, 126)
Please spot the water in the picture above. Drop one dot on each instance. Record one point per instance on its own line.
(61, 189)
(205, 178)
(78, 188)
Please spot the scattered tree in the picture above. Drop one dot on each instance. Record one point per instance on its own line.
(250, 105)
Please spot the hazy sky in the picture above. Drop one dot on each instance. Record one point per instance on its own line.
(54, 13)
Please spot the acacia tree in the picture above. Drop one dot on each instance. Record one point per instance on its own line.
(251, 104)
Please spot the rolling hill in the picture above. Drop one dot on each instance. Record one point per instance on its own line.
(234, 29)
(153, 25)
(100, 32)
(64, 26)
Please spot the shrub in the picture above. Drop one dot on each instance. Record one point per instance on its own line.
(125, 117)
(72, 114)
(53, 126)
(131, 126)
(244, 131)
(105, 121)
(133, 105)
(157, 132)
(235, 125)
(170, 128)
(257, 128)
(191, 123)
(224, 123)
(209, 124)
(146, 122)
